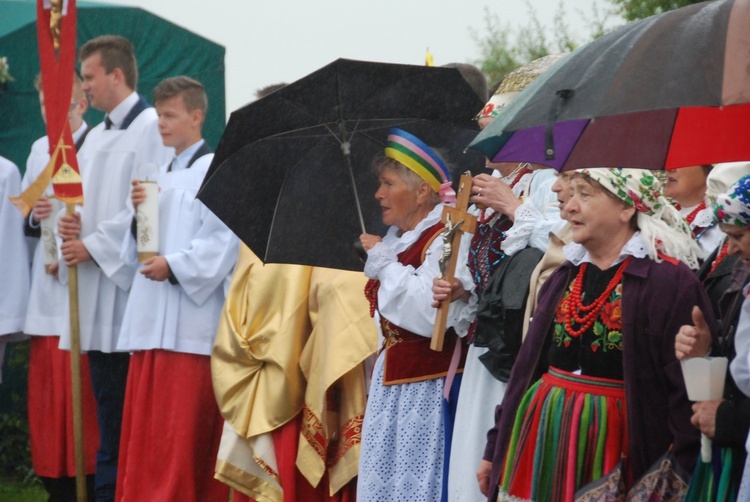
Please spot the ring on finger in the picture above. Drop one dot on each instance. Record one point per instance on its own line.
(479, 193)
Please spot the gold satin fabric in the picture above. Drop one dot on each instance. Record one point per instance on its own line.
(343, 336)
(292, 339)
(242, 465)
(255, 360)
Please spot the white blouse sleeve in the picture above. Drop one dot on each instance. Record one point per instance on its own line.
(405, 293)
(536, 217)
(461, 318)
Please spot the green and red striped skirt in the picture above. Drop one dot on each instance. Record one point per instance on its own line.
(570, 430)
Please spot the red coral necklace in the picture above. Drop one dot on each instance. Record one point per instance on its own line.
(574, 305)
(722, 254)
(691, 216)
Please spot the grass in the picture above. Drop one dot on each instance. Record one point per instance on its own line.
(15, 490)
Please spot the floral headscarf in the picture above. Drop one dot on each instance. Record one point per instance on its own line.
(516, 81)
(636, 187)
(663, 228)
(733, 207)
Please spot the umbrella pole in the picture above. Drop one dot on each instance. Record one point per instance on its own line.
(75, 377)
(346, 148)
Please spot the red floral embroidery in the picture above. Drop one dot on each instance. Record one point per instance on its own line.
(561, 314)
(612, 315)
(607, 329)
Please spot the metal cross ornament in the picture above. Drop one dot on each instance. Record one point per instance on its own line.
(457, 222)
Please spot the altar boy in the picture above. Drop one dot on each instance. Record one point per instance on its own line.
(171, 424)
(92, 235)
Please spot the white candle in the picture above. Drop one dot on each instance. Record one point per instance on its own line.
(147, 220)
(47, 239)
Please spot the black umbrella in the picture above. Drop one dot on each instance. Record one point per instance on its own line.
(664, 92)
(291, 174)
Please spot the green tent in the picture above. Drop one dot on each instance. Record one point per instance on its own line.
(162, 50)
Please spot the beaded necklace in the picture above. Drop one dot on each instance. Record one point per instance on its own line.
(722, 254)
(371, 294)
(574, 305)
(485, 251)
(697, 231)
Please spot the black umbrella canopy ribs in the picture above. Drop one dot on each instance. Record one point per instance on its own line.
(291, 176)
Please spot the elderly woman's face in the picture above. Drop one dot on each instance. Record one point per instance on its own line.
(398, 203)
(595, 217)
(561, 187)
(686, 184)
(739, 241)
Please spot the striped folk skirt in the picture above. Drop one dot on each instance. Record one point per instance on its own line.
(569, 430)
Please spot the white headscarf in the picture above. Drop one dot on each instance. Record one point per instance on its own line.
(723, 176)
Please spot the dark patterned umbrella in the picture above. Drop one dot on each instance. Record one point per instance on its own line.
(291, 176)
(668, 91)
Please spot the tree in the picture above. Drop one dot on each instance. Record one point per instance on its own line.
(503, 48)
(639, 9)
(498, 53)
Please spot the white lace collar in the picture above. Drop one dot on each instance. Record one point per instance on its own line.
(401, 242)
(704, 218)
(577, 254)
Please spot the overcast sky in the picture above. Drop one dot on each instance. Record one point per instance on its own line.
(283, 40)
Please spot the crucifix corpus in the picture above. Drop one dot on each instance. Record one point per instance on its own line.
(457, 222)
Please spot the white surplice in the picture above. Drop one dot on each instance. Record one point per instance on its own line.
(201, 251)
(14, 253)
(46, 313)
(108, 162)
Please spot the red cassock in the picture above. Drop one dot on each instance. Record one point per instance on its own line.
(50, 408)
(171, 429)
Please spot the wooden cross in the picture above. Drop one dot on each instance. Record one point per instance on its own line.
(464, 222)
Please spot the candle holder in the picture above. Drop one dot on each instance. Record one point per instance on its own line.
(147, 214)
(704, 381)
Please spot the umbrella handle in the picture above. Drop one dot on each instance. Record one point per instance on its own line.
(361, 253)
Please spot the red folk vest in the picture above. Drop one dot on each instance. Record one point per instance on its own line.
(408, 357)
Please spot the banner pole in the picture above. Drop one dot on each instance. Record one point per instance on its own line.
(75, 377)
